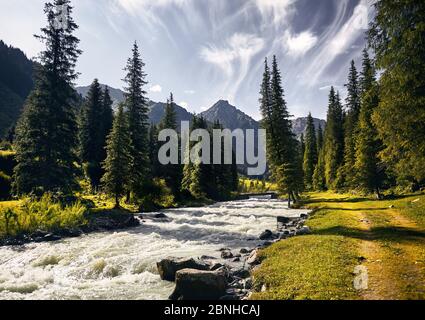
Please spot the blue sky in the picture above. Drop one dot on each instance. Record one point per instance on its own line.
(206, 50)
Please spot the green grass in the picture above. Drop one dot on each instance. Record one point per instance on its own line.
(313, 266)
(45, 214)
(255, 186)
(321, 265)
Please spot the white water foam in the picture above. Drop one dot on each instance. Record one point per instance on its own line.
(122, 265)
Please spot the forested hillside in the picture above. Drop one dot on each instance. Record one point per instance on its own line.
(16, 82)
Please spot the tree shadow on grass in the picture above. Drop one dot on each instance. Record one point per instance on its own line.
(346, 200)
(353, 209)
(396, 234)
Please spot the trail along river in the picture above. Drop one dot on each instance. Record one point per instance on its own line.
(122, 264)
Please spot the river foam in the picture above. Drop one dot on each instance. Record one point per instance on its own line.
(122, 265)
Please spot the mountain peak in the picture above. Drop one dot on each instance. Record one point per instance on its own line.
(222, 104)
(229, 116)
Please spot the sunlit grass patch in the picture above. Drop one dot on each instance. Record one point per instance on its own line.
(308, 267)
(28, 216)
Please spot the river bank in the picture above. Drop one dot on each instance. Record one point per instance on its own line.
(26, 221)
(359, 248)
(121, 264)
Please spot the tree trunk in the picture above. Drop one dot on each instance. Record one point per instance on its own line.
(289, 200)
(378, 194)
(117, 202)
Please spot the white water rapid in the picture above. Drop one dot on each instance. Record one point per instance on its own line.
(122, 265)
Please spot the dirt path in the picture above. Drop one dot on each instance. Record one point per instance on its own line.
(394, 255)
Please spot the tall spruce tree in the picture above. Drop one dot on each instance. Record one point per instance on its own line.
(46, 134)
(197, 176)
(319, 138)
(169, 120)
(171, 173)
(281, 142)
(137, 111)
(302, 144)
(369, 172)
(107, 116)
(351, 125)
(153, 151)
(92, 139)
(118, 161)
(333, 140)
(319, 181)
(397, 37)
(310, 154)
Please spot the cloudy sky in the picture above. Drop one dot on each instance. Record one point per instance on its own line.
(206, 50)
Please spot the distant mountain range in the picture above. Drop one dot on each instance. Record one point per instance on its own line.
(229, 116)
(16, 82)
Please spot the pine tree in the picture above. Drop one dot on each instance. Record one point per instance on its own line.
(153, 151)
(107, 116)
(92, 139)
(137, 110)
(197, 176)
(369, 174)
(333, 140)
(281, 143)
(118, 162)
(302, 144)
(310, 154)
(172, 173)
(319, 180)
(319, 177)
(169, 121)
(46, 133)
(397, 37)
(224, 176)
(319, 139)
(351, 124)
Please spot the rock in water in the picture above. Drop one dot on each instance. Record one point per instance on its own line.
(266, 235)
(168, 267)
(199, 285)
(226, 254)
(253, 258)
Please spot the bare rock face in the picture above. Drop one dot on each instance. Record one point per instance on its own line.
(168, 267)
(199, 285)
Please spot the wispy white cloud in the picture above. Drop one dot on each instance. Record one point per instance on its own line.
(238, 48)
(300, 44)
(155, 88)
(277, 10)
(189, 91)
(134, 6)
(233, 58)
(340, 37)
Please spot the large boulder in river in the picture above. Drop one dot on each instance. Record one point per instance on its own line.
(199, 285)
(168, 267)
(266, 235)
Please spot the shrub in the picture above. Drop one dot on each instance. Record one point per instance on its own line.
(45, 214)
